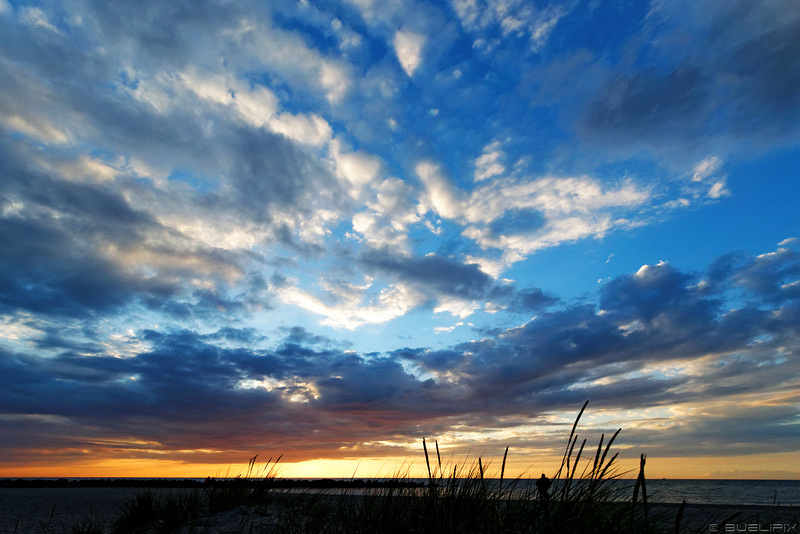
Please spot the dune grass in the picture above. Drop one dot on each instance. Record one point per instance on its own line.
(585, 495)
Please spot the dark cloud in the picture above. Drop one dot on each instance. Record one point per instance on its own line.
(50, 270)
(193, 390)
(528, 300)
(736, 74)
(653, 291)
(80, 245)
(441, 276)
(445, 276)
(173, 31)
(651, 103)
(518, 221)
(65, 249)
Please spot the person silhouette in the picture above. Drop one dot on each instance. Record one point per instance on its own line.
(543, 484)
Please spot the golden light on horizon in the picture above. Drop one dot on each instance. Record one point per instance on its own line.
(758, 466)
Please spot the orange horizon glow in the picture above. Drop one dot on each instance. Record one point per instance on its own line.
(753, 467)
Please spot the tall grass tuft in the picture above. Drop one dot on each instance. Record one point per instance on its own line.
(585, 496)
(150, 512)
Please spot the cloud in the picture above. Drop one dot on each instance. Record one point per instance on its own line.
(706, 96)
(38, 18)
(167, 179)
(660, 344)
(349, 306)
(706, 168)
(441, 193)
(357, 170)
(482, 17)
(458, 288)
(166, 169)
(488, 165)
(520, 215)
(442, 274)
(387, 218)
(408, 47)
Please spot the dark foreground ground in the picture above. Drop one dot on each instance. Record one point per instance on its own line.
(56, 510)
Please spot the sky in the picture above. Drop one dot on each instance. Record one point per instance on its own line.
(330, 229)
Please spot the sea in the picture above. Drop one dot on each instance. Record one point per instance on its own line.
(737, 492)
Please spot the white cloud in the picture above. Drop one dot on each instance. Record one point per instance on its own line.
(447, 329)
(408, 47)
(544, 27)
(347, 37)
(718, 190)
(517, 17)
(287, 54)
(545, 212)
(456, 307)
(492, 267)
(488, 164)
(37, 127)
(222, 233)
(706, 171)
(548, 211)
(349, 310)
(37, 18)
(386, 220)
(555, 197)
(705, 168)
(88, 169)
(442, 195)
(358, 170)
(257, 106)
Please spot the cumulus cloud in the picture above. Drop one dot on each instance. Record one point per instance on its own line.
(520, 217)
(386, 220)
(357, 169)
(441, 193)
(408, 47)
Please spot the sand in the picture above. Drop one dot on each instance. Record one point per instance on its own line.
(54, 510)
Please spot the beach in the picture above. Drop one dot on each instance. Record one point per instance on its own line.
(29, 510)
(55, 510)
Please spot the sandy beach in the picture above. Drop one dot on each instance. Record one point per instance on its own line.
(46, 510)
(34, 510)
(703, 517)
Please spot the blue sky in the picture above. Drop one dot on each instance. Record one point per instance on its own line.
(330, 229)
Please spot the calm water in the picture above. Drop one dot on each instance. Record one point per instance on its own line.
(783, 492)
(736, 492)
